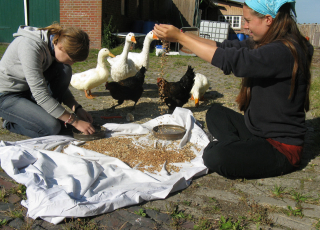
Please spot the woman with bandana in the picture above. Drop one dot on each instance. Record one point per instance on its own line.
(35, 73)
(274, 64)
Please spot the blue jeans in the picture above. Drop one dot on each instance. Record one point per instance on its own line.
(238, 153)
(22, 113)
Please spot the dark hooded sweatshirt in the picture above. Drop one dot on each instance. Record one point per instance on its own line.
(270, 113)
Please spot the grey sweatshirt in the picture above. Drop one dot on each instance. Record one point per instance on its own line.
(23, 64)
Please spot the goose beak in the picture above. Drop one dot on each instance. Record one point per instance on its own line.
(196, 102)
(133, 39)
(155, 37)
(111, 55)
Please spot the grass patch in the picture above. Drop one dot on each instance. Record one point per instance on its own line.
(20, 190)
(315, 92)
(15, 214)
(3, 48)
(203, 224)
(278, 191)
(3, 195)
(141, 212)
(80, 224)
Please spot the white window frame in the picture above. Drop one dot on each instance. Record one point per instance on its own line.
(232, 19)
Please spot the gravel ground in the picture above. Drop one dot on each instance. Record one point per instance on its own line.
(211, 201)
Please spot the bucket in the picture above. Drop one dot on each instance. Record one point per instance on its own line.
(241, 37)
(137, 26)
(159, 50)
(147, 26)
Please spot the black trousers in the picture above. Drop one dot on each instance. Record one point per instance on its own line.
(238, 153)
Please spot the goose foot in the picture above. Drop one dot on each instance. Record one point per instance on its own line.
(89, 94)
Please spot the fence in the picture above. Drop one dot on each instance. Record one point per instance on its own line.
(312, 31)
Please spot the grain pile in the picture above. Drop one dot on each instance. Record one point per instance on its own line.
(148, 157)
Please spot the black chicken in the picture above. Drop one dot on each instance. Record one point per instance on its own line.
(127, 89)
(176, 94)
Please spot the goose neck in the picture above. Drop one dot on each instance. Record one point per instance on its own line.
(146, 45)
(101, 62)
(125, 50)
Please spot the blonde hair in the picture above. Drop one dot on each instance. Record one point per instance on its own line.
(74, 40)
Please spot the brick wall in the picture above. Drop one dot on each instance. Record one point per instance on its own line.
(84, 14)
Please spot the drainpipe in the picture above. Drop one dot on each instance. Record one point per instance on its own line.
(25, 12)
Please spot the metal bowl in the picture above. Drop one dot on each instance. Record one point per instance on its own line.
(98, 134)
(169, 132)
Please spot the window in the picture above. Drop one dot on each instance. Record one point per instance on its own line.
(234, 21)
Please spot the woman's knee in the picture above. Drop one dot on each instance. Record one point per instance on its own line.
(51, 127)
(214, 156)
(214, 107)
(214, 112)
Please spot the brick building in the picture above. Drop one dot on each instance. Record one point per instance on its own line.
(85, 14)
(127, 15)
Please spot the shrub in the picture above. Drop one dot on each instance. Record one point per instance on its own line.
(108, 39)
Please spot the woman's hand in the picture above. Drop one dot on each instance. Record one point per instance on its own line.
(84, 115)
(167, 32)
(201, 47)
(84, 127)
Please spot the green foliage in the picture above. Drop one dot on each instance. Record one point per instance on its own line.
(203, 225)
(141, 212)
(15, 214)
(3, 195)
(294, 212)
(3, 222)
(3, 48)
(317, 225)
(315, 92)
(80, 224)
(20, 190)
(298, 197)
(278, 190)
(117, 50)
(180, 63)
(257, 218)
(108, 39)
(174, 212)
(185, 202)
(226, 224)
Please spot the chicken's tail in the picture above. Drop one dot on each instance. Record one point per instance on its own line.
(141, 74)
(188, 78)
(190, 73)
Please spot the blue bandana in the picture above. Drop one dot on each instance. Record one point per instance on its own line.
(269, 6)
(51, 46)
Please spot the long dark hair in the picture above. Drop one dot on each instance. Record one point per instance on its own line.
(283, 28)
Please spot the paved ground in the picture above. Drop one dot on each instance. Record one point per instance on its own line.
(285, 202)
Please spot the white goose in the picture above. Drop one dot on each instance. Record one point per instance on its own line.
(92, 78)
(200, 86)
(142, 59)
(121, 66)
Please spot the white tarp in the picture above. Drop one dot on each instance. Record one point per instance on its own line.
(80, 182)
